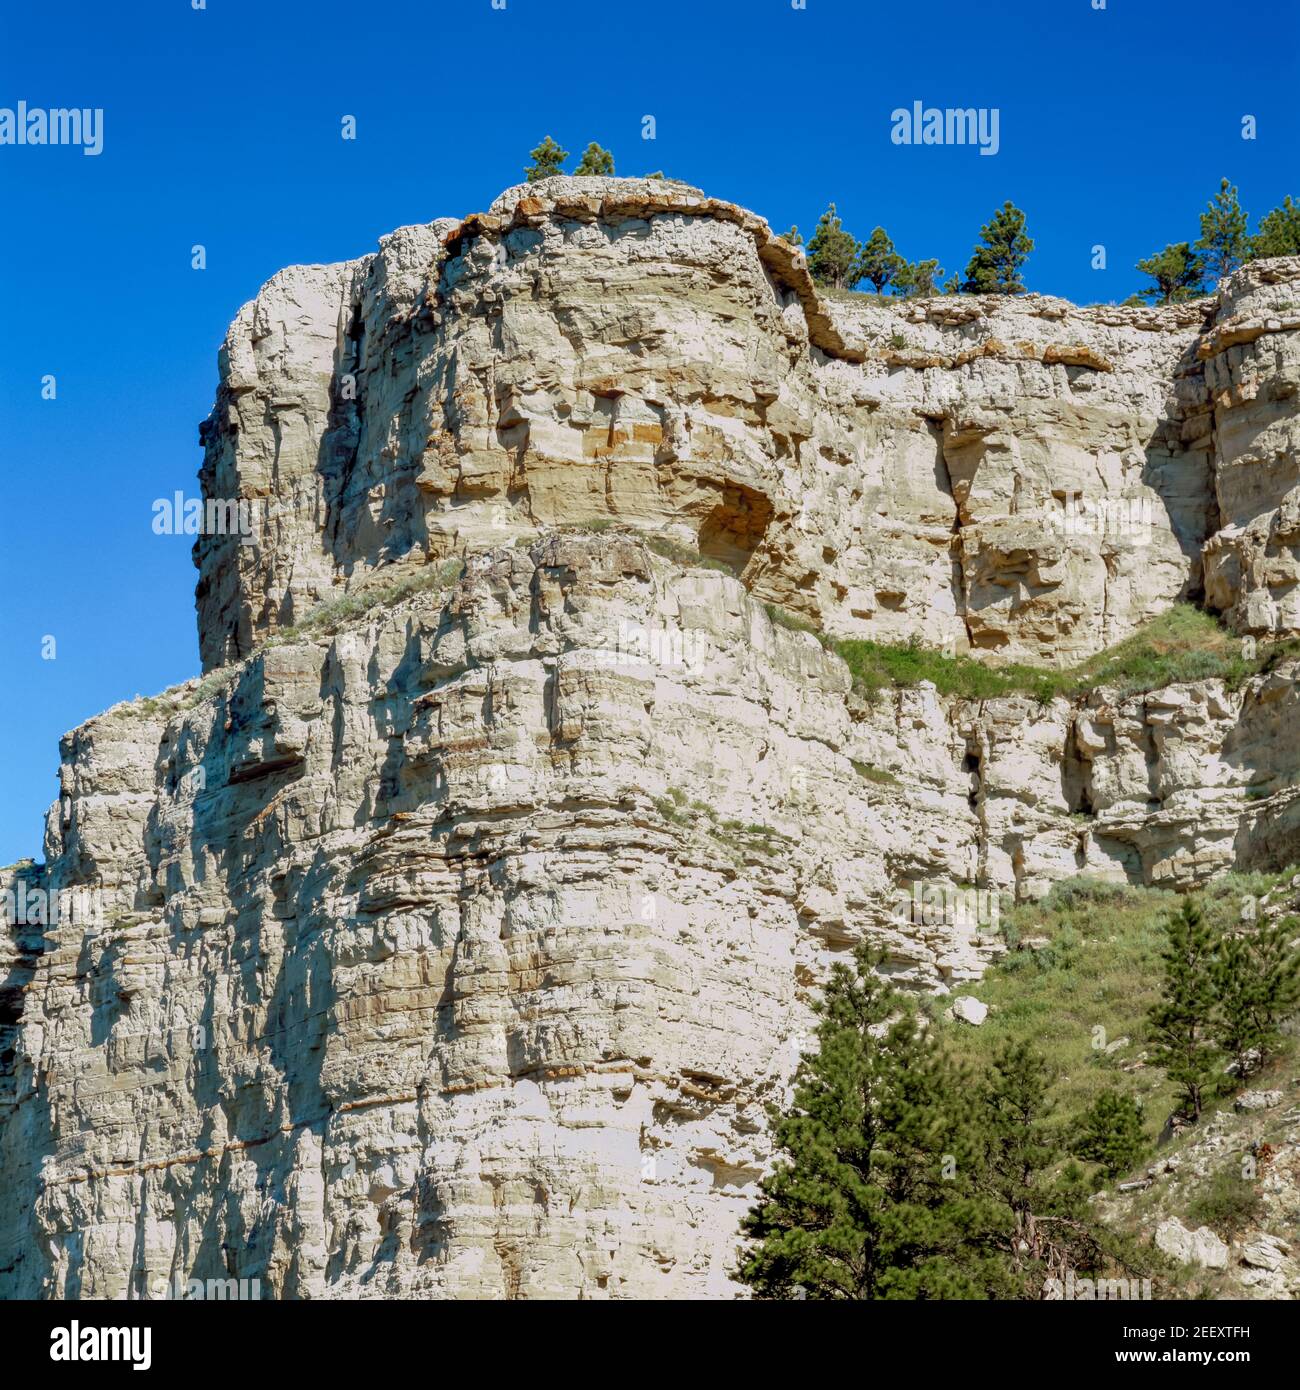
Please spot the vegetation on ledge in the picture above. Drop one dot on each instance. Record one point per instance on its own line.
(1184, 644)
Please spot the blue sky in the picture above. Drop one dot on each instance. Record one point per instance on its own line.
(222, 127)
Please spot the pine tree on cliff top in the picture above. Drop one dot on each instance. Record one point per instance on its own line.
(1177, 272)
(1279, 231)
(998, 260)
(878, 262)
(596, 161)
(833, 253)
(917, 279)
(548, 160)
(1223, 232)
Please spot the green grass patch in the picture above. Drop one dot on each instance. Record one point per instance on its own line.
(879, 775)
(792, 622)
(1184, 644)
(878, 665)
(327, 618)
(686, 556)
(1091, 985)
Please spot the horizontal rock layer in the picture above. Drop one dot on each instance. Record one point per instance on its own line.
(449, 940)
(1014, 476)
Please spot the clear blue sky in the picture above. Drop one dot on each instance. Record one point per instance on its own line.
(222, 127)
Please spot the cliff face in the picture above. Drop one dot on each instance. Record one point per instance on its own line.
(1018, 477)
(454, 937)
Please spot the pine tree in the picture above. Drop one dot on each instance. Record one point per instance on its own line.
(793, 237)
(1223, 232)
(833, 253)
(1020, 1147)
(916, 279)
(1110, 1133)
(1279, 232)
(1257, 984)
(874, 1193)
(1052, 1228)
(596, 161)
(996, 264)
(548, 160)
(1181, 1020)
(1177, 271)
(878, 262)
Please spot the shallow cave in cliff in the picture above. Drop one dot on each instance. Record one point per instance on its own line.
(733, 530)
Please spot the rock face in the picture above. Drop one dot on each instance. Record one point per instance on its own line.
(453, 932)
(1019, 477)
(1200, 1247)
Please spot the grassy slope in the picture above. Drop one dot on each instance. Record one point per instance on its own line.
(1100, 970)
(1093, 984)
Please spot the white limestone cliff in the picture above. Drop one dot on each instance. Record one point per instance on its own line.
(455, 938)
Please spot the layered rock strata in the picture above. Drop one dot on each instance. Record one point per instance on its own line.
(453, 932)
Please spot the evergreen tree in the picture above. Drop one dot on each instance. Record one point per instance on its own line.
(1052, 1228)
(548, 160)
(596, 161)
(878, 262)
(793, 237)
(1110, 1133)
(995, 266)
(1177, 271)
(1020, 1147)
(1279, 232)
(1257, 983)
(833, 253)
(952, 285)
(874, 1196)
(1181, 1020)
(916, 279)
(1223, 232)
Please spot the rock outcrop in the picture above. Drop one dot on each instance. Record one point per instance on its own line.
(453, 931)
(1014, 476)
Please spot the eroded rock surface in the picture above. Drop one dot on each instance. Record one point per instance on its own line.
(451, 944)
(1018, 476)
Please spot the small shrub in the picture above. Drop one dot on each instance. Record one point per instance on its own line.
(673, 550)
(1227, 1204)
(1071, 893)
(211, 684)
